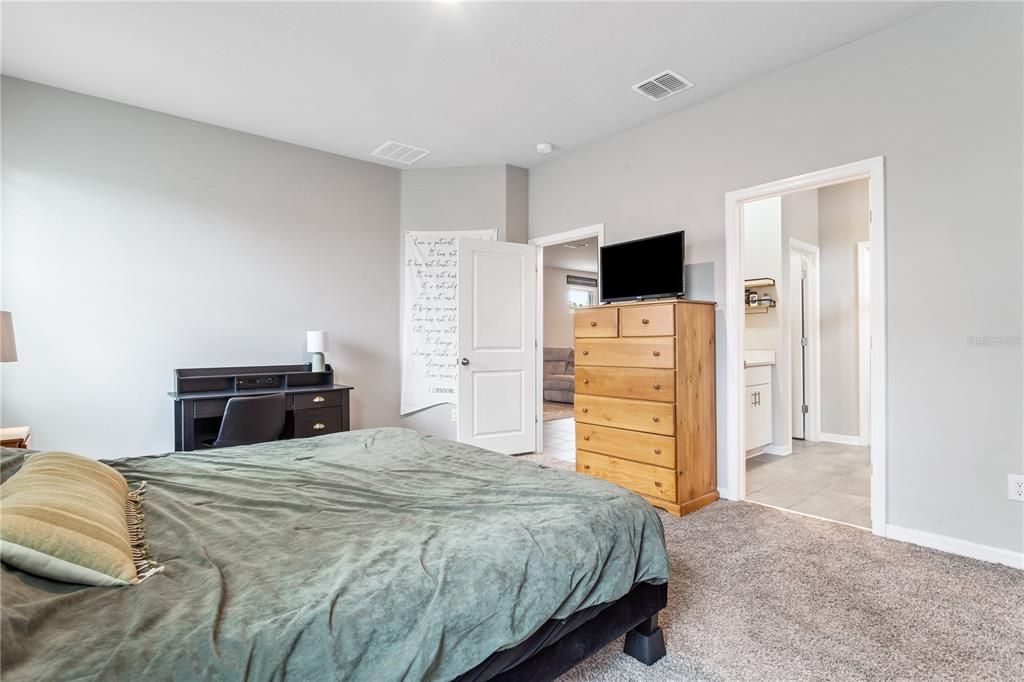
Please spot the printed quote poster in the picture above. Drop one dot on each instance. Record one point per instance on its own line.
(430, 317)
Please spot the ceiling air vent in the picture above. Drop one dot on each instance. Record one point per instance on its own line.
(399, 152)
(663, 85)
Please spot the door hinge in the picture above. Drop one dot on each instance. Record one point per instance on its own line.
(804, 409)
(803, 341)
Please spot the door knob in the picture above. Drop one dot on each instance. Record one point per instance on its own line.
(656, 419)
(645, 321)
(586, 381)
(465, 361)
(593, 323)
(657, 387)
(657, 353)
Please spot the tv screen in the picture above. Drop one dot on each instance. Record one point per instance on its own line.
(645, 268)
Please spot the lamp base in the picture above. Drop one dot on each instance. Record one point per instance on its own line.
(318, 362)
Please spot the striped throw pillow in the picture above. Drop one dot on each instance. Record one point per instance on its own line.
(73, 519)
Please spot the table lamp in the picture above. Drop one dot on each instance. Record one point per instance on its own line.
(316, 343)
(8, 351)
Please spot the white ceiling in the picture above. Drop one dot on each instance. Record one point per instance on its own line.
(583, 258)
(475, 83)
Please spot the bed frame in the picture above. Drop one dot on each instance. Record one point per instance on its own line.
(560, 644)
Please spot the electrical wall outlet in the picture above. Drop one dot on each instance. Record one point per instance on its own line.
(1016, 487)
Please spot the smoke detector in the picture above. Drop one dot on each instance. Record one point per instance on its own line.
(665, 84)
(400, 152)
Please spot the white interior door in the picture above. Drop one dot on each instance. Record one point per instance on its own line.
(497, 283)
(799, 335)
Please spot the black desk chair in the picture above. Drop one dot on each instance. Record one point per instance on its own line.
(252, 419)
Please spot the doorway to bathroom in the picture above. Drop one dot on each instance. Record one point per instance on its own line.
(803, 392)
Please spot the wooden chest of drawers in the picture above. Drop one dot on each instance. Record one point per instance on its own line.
(645, 399)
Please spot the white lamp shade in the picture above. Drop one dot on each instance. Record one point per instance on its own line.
(8, 351)
(317, 342)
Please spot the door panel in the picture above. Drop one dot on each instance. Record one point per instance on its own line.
(497, 299)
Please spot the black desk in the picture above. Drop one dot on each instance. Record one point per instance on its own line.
(315, 404)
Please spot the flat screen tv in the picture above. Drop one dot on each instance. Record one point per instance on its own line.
(644, 268)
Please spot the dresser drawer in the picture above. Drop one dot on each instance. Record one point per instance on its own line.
(647, 448)
(641, 478)
(311, 400)
(621, 382)
(637, 415)
(648, 320)
(317, 422)
(595, 322)
(638, 352)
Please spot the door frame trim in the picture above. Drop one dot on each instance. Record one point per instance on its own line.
(874, 170)
(595, 230)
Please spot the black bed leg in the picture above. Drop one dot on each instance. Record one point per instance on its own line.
(646, 642)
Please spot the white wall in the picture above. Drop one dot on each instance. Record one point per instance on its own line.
(953, 193)
(135, 243)
(842, 222)
(557, 314)
(463, 198)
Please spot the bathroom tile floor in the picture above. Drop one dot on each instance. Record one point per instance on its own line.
(822, 479)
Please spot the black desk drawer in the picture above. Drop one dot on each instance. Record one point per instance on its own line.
(317, 422)
(213, 407)
(311, 400)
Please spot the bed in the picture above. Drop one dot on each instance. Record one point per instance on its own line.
(381, 554)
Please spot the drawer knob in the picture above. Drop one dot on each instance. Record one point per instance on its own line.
(656, 419)
(657, 353)
(584, 410)
(593, 323)
(586, 381)
(319, 399)
(586, 466)
(657, 387)
(657, 484)
(586, 437)
(586, 352)
(319, 426)
(645, 321)
(657, 451)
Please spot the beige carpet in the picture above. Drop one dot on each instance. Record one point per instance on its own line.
(760, 594)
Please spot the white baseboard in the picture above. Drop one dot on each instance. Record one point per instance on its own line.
(780, 450)
(725, 494)
(952, 545)
(839, 438)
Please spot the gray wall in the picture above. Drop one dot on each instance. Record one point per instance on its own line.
(953, 183)
(557, 313)
(842, 222)
(135, 243)
(463, 198)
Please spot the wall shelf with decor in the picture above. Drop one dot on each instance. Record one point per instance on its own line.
(758, 301)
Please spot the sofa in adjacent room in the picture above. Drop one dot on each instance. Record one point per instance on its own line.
(559, 370)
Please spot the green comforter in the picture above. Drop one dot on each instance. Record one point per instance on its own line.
(381, 554)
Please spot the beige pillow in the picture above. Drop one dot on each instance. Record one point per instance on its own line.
(73, 519)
